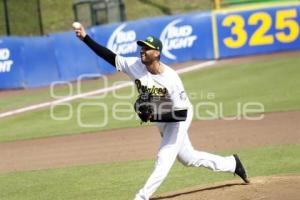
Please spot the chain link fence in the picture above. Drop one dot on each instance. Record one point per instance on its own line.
(96, 12)
(20, 17)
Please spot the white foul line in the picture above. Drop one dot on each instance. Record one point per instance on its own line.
(195, 67)
(95, 92)
(71, 98)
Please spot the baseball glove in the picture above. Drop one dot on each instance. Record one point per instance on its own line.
(144, 107)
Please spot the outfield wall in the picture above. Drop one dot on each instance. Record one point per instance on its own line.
(38, 61)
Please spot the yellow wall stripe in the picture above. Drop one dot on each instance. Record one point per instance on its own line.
(256, 6)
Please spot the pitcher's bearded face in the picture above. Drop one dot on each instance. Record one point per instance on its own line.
(148, 55)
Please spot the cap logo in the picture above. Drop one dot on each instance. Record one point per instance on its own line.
(150, 39)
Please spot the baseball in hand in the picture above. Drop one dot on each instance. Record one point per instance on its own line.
(76, 25)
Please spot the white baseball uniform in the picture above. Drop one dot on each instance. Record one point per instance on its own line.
(175, 140)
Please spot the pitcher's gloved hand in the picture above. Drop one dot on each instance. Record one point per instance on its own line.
(144, 107)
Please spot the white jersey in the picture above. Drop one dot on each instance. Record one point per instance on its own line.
(166, 84)
(175, 141)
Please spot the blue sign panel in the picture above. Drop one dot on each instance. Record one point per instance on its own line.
(258, 31)
(11, 63)
(184, 36)
(73, 57)
(39, 63)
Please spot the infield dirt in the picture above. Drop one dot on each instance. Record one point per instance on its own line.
(261, 188)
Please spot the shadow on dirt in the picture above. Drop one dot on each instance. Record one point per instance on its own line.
(195, 191)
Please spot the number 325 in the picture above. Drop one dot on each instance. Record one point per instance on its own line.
(285, 19)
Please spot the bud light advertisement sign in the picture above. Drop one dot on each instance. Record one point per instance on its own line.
(122, 41)
(184, 37)
(11, 73)
(177, 36)
(187, 37)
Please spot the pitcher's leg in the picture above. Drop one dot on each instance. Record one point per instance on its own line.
(191, 157)
(164, 162)
(171, 142)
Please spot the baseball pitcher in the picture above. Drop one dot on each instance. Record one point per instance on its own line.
(162, 100)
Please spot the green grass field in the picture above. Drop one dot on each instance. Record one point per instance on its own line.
(120, 181)
(273, 83)
(58, 15)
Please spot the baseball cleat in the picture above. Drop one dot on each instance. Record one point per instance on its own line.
(240, 170)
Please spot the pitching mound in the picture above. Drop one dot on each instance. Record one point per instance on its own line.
(261, 188)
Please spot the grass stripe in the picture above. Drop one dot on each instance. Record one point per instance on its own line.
(120, 181)
(274, 82)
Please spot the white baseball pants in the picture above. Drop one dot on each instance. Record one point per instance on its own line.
(176, 143)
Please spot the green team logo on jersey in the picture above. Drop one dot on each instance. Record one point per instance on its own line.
(156, 91)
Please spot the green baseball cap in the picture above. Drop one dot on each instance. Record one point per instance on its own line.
(151, 42)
